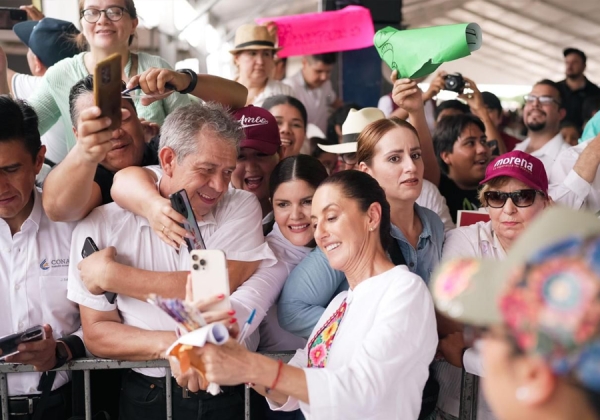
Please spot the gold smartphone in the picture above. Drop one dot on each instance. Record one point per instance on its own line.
(108, 87)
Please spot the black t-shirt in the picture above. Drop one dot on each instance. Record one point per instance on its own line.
(456, 198)
(573, 99)
(104, 177)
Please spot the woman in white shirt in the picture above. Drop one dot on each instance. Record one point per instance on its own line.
(515, 191)
(369, 354)
(253, 57)
(292, 185)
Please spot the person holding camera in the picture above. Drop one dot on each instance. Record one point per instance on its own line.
(34, 261)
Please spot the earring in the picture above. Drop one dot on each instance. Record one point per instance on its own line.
(522, 393)
(371, 229)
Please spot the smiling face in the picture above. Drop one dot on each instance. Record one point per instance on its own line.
(341, 227)
(128, 140)
(252, 172)
(538, 116)
(397, 165)
(292, 203)
(107, 34)
(469, 158)
(510, 221)
(205, 175)
(291, 128)
(255, 65)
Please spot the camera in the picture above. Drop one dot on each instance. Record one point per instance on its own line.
(196, 267)
(202, 263)
(454, 82)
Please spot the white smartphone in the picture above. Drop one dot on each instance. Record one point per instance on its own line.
(209, 277)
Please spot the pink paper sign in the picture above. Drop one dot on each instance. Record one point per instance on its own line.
(315, 33)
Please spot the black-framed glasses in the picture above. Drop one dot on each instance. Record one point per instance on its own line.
(113, 13)
(520, 198)
(348, 158)
(544, 100)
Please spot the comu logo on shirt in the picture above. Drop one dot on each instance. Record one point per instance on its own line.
(55, 263)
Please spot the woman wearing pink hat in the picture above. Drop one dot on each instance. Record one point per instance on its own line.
(515, 192)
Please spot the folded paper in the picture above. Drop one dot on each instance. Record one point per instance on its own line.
(418, 52)
(316, 33)
(182, 349)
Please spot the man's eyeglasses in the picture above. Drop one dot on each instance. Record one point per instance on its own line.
(520, 198)
(544, 100)
(114, 13)
(348, 158)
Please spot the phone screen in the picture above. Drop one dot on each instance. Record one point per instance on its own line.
(9, 17)
(181, 203)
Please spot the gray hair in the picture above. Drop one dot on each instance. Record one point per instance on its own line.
(183, 125)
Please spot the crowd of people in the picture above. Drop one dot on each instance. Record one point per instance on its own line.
(341, 226)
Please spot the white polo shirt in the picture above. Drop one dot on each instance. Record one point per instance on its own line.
(317, 101)
(233, 226)
(548, 152)
(273, 88)
(568, 188)
(33, 280)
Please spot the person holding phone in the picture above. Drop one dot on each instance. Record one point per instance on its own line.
(108, 27)
(368, 356)
(33, 278)
(198, 151)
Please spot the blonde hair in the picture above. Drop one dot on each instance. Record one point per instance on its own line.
(80, 40)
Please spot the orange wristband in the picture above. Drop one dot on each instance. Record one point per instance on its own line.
(279, 369)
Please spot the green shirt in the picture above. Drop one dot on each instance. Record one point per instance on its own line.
(51, 99)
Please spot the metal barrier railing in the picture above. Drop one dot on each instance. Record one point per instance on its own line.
(468, 400)
(87, 365)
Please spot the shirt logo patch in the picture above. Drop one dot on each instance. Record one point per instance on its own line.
(56, 263)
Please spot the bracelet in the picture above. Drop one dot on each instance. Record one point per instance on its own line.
(193, 82)
(279, 369)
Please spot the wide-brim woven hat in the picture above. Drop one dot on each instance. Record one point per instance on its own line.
(254, 37)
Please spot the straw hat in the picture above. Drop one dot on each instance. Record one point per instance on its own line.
(354, 124)
(254, 37)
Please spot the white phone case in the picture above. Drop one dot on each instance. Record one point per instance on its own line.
(209, 276)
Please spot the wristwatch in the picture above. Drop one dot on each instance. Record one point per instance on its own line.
(62, 354)
(193, 82)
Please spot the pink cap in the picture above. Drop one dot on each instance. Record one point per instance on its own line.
(260, 129)
(519, 165)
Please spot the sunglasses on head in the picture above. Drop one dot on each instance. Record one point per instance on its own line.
(520, 198)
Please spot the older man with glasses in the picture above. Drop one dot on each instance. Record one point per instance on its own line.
(542, 115)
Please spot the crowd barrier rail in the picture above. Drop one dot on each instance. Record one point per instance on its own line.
(468, 403)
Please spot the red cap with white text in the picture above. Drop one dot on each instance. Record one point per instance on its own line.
(519, 165)
(261, 132)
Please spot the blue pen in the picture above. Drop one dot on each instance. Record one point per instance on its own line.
(246, 327)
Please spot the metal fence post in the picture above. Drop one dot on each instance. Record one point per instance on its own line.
(88, 394)
(469, 393)
(169, 391)
(246, 402)
(4, 395)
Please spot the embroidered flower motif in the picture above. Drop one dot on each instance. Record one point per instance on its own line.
(317, 355)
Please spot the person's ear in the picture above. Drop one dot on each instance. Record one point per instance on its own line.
(362, 166)
(134, 24)
(304, 62)
(39, 67)
(374, 214)
(168, 160)
(338, 130)
(446, 157)
(536, 381)
(39, 159)
(562, 113)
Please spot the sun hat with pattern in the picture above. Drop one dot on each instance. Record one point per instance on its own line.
(546, 293)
